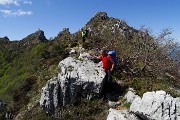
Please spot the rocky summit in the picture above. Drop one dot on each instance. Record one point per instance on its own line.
(33, 38)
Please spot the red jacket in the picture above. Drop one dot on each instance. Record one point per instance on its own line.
(107, 64)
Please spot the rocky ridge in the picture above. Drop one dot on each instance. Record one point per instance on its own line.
(105, 31)
(33, 39)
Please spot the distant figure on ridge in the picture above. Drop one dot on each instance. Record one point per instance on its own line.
(90, 31)
(84, 35)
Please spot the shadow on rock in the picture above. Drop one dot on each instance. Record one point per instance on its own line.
(119, 88)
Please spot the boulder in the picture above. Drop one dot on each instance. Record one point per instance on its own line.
(121, 115)
(50, 95)
(77, 77)
(130, 96)
(157, 106)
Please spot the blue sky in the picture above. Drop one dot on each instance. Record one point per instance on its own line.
(19, 18)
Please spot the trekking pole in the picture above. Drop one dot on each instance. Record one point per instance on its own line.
(113, 78)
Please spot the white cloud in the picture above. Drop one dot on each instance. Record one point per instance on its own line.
(15, 13)
(27, 2)
(8, 2)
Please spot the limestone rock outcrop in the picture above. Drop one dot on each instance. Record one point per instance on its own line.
(50, 96)
(77, 77)
(121, 115)
(156, 105)
(152, 106)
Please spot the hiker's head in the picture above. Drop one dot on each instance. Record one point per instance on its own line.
(103, 52)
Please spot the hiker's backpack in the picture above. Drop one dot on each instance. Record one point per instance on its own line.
(86, 33)
(113, 54)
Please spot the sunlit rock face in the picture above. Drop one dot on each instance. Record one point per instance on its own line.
(77, 77)
(157, 106)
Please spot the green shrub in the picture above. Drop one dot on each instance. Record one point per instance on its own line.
(142, 85)
(38, 50)
(127, 105)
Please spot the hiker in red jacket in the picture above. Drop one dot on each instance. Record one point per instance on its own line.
(108, 66)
